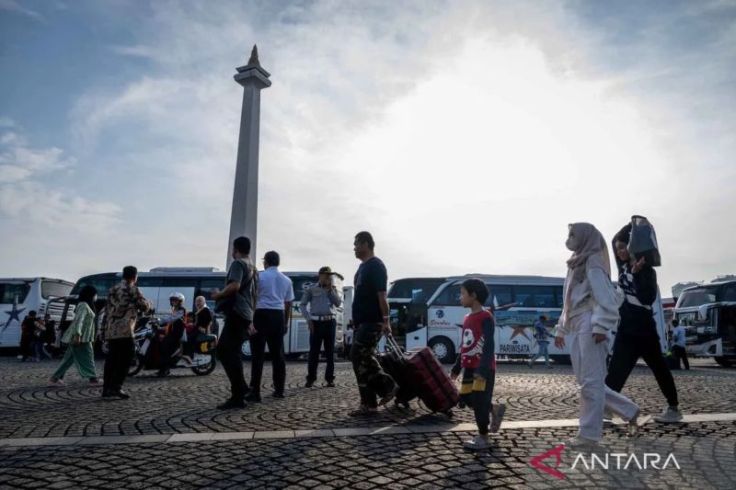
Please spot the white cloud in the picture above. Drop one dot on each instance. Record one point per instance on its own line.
(14, 6)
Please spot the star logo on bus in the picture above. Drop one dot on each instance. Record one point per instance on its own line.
(13, 314)
(519, 330)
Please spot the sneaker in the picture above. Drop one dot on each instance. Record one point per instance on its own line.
(309, 384)
(389, 396)
(477, 443)
(581, 443)
(363, 411)
(231, 404)
(56, 382)
(497, 411)
(669, 415)
(121, 394)
(253, 397)
(608, 415)
(330, 384)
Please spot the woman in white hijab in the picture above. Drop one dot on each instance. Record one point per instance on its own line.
(589, 312)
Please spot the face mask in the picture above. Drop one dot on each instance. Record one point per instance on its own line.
(571, 243)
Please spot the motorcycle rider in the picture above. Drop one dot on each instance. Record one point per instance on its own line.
(174, 332)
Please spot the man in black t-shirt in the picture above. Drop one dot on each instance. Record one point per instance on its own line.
(371, 319)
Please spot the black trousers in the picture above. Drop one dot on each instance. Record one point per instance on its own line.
(627, 349)
(270, 329)
(324, 333)
(117, 362)
(681, 355)
(477, 394)
(170, 344)
(229, 351)
(372, 379)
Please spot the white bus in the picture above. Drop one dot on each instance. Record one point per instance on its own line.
(18, 296)
(158, 284)
(518, 301)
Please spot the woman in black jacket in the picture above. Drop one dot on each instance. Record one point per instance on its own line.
(637, 332)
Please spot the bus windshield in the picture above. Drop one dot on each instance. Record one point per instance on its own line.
(101, 282)
(698, 297)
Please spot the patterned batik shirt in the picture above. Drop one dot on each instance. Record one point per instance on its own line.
(124, 301)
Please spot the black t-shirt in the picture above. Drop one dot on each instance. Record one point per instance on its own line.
(28, 327)
(204, 318)
(370, 280)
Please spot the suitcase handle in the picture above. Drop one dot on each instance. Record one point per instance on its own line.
(393, 345)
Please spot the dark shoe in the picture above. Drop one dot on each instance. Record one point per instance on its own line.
(253, 397)
(163, 373)
(330, 384)
(309, 384)
(278, 394)
(107, 394)
(363, 411)
(231, 404)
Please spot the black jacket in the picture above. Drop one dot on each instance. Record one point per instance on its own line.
(637, 314)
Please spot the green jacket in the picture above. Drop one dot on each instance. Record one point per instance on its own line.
(82, 325)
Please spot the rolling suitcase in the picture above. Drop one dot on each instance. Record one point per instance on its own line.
(425, 374)
(394, 364)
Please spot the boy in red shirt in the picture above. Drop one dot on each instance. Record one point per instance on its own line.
(478, 360)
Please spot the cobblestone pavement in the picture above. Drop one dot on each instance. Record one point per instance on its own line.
(704, 451)
(185, 402)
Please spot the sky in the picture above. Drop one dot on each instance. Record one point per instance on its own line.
(464, 135)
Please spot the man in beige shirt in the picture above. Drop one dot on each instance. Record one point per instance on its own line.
(124, 302)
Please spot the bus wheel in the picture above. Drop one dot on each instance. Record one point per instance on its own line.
(444, 349)
(725, 361)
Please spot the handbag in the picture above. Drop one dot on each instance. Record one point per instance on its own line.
(643, 241)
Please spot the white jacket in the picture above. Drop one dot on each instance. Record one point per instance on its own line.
(595, 293)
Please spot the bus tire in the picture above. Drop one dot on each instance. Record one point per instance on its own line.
(561, 359)
(444, 349)
(725, 361)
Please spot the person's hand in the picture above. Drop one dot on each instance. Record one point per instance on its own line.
(599, 337)
(386, 327)
(560, 342)
(251, 330)
(638, 265)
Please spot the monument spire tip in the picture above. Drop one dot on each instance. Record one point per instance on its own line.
(254, 56)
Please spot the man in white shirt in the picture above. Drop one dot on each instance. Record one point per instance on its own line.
(270, 323)
(678, 343)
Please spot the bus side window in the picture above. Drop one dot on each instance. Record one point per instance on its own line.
(502, 294)
(450, 296)
(535, 296)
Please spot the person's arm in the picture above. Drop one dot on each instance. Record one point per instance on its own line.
(606, 302)
(141, 303)
(334, 297)
(645, 282)
(383, 304)
(287, 304)
(380, 276)
(234, 280)
(304, 305)
(489, 347)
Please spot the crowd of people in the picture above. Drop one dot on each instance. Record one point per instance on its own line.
(257, 307)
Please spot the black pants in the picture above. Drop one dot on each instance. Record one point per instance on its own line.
(681, 355)
(324, 333)
(627, 350)
(117, 362)
(270, 329)
(229, 351)
(170, 345)
(477, 394)
(372, 380)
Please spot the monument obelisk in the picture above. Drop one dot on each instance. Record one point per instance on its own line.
(244, 218)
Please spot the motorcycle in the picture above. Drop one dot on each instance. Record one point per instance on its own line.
(147, 339)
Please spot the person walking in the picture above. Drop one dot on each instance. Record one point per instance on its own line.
(237, 302)
(79, 338)
(318, 306)
(124, 302)
(678, 344)
(637, 335)
(27, 330)
(542, 337)
(477, 361)
(270, 324)
(371, 318)
(590, 311)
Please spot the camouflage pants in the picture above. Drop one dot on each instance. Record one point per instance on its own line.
(372, 381)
